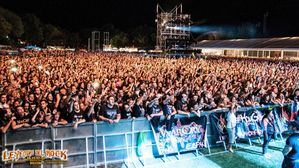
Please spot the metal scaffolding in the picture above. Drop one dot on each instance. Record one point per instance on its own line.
(173, 28)
(95, 41)
(106, 39)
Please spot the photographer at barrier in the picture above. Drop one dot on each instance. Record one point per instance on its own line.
(291, 149)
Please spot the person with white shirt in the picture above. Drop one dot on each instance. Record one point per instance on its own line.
(231, 121)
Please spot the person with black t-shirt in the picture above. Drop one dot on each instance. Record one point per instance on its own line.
(38, 120)
(169, 111)
(138, 108)
(22, 119)
(110, 112)
(3, 100)
(268, 130)
(32, 101)
(44, 107)
(57, 120)
(195, 106)
(50, 101)
(6, 118)
(89, 113)
(291, 149)
(76, 114)
(182, 105)
(61, 103)
(154, 113)
(127, 110)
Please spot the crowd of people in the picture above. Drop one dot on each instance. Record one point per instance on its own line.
(42, 90)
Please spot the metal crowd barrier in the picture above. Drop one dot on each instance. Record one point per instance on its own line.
(90, 145)
(93, 144)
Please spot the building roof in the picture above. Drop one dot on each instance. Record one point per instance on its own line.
(257, 43)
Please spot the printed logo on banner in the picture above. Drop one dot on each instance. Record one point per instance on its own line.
(180, 138)
(249, 124)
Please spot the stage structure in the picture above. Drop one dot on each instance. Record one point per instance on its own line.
(173, 29)
(95, 41)
(106, 39)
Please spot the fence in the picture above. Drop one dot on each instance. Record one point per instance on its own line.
(93, 144)
(89, 145)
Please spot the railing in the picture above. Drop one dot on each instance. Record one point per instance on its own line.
(93, 144)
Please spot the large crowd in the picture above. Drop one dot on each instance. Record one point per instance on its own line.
(42, 90)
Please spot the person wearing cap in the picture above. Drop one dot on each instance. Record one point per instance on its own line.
(291, 149)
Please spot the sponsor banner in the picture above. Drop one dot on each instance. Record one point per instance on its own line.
(249, 123)
(186, 134)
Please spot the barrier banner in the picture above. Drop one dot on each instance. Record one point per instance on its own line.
(218, 125)
(248, 124)
(186, 134)
(285, 115)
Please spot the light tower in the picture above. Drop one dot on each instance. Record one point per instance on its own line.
(95, 41)
(173, 28)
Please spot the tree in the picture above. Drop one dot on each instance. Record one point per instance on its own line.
(110, 28)
(32, 29)
(73, 40)
(52, 35)
(120, 40)
(141, 36)
(5, 27)
(16, 23)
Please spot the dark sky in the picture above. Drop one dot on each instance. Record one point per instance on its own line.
(126, 14)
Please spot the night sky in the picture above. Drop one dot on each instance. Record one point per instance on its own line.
(74, 15)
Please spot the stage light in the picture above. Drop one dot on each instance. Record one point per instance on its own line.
(164, 22)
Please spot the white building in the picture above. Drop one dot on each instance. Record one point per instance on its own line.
(284, 48)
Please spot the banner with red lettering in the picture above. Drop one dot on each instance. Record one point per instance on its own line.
(186, 134)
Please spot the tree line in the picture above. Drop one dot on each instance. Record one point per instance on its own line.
(15, 29)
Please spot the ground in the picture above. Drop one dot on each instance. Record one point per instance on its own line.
(244, 156)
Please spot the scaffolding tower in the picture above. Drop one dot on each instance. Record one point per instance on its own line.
(106, 39)
(173, 28)
(95, 41)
